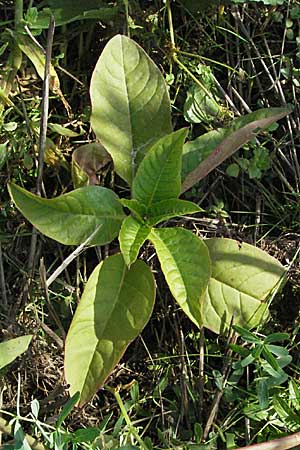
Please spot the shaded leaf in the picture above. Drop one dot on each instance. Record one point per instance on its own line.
(67, 11)
(199, 107)
(233, 170)
(38, 58)
(136, 207)
(71, 218)
(275, 337)
(130, 104)
(87, 161)
(54, 156)
(158, 177)
(185, 262)
(227, 142)
(11, 349)
(243, 277)
(262, 394)
(132, 236)
(196, 151)
(67, 409)
(36, 55)
(167, 209)
(85, 434)
(3, 154)
(20, 438)
(63, 131)
(115, 306)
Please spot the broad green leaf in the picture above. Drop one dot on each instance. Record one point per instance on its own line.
(138, 209)
(86, 435)
(196, 151)
(224, 143)
(158, 177)
(87, 161)
(67, 11)
(185, 262)
(243, 277)
(130, 104)
(275, 337)
(11, 349)
(167, 209)
(262, 394)
(199, 107)
(71, 218)
(132, 236)
(63, 131)
(115, 306)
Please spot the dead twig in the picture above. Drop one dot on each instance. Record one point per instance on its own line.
(42, 146)
(71, 257)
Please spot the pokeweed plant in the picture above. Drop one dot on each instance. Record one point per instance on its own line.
(213, 281)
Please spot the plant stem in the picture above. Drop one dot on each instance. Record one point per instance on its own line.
(200, 57)
(2, 279)
(201, 372)
(127, 17)
(131, 427)
(178, 62)
(6, 428)
(171, 29)
(18, 12)
(42, 146)
(195, 79)
(45, 105)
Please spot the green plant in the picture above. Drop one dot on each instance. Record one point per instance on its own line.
(11, 349)
(269, 361)
(213, 281)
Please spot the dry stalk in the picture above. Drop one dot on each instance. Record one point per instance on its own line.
(42, 146)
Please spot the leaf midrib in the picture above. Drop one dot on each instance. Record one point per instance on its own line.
(104, 328)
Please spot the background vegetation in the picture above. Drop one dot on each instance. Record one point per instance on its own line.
(246, 56)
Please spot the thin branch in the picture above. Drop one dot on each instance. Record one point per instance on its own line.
(71, 257)
(2, 279)
(45, 105)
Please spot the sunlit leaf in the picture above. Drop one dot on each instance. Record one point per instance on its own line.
(11, 349)
(130, 104)
(71, 218)
(185, 262)
(243, 277)
(115, 306)
(132, 236)
(138, 209)
(158, 177)
(167, 209)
